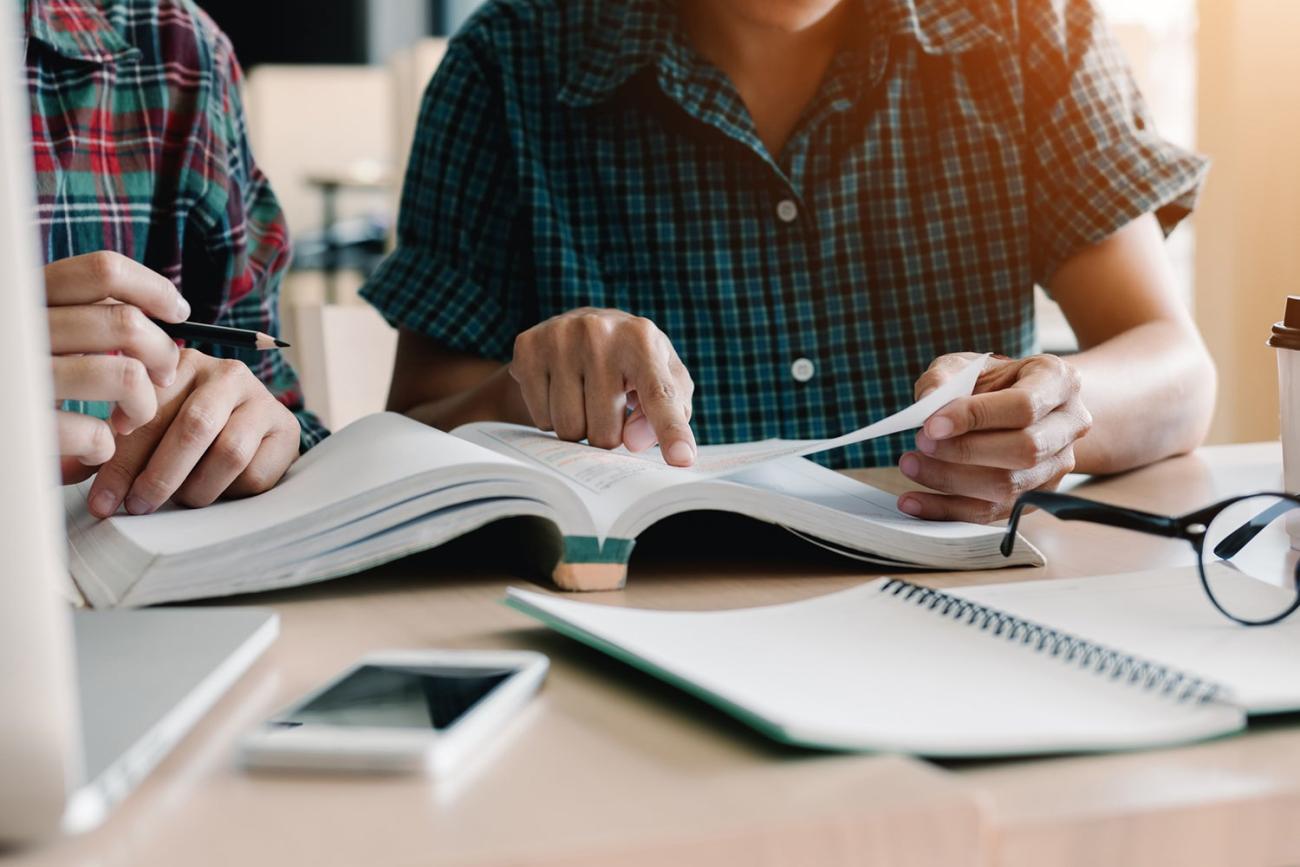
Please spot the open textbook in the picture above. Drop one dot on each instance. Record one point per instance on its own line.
(387, 486)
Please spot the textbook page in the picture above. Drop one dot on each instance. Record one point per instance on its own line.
(370, 454)
(610, 482)
(813, 483)
(607, 482)
(724, 460)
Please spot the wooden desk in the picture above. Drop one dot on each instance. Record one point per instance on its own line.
(610, 767)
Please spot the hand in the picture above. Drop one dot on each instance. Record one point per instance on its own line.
(102, 303)
(1016, 433)
(218, 431)
(582, 371)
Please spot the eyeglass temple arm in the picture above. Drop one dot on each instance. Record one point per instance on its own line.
(1239, 538)
(1071, 508)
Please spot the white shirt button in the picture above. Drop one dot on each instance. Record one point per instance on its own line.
(787, 211)
(803, 369)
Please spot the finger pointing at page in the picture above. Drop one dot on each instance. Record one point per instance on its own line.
(581, 371)
(664, 410)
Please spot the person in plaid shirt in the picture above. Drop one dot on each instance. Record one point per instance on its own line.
(634, 221)
(150, 206)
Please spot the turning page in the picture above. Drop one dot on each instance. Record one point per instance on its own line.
(724, 460)
(617, 479)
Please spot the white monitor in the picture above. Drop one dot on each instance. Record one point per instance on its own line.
(40, 741)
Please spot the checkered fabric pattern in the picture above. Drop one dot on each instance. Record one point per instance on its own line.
(580, 152)
(140, 148)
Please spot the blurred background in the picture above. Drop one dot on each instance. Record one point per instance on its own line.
(332, 101)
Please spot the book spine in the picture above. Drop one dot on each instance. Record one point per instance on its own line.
(1070, 649)
(588, 564)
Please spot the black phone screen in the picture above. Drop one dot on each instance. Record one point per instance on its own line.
(398, 696)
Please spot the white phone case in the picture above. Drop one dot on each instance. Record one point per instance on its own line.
(396, 750)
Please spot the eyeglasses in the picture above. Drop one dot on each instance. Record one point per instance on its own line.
(1249, 568)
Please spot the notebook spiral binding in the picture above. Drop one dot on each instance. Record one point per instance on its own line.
(1103, 660)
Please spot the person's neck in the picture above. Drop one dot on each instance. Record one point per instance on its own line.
(777, 72)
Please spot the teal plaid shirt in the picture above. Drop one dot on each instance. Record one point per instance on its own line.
(580, 152)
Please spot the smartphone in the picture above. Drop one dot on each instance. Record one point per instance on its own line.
(400, 712)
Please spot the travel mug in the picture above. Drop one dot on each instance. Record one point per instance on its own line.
(1286, 340)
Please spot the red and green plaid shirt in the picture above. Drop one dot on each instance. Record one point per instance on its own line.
(140, 148)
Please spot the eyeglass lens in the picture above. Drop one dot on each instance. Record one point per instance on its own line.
(1250, 560)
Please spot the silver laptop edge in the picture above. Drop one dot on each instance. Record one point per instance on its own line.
(131, 721)
(69, 747)
(39, 737)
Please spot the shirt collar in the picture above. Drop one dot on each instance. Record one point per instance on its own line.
(78, 30)
(627, 36)
(631, 34)
(939, 26)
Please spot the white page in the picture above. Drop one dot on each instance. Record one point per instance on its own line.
(724, 460)
(615, 480)
(608, 482)
(370, 453)
(813, 483)
(1165, 615)
(863, 669)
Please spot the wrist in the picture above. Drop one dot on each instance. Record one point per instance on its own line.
(495, 398)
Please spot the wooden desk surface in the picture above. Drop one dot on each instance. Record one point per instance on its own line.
(610, 767)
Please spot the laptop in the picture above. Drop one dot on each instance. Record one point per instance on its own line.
(89, 701)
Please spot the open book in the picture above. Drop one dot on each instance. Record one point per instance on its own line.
(1110, 663)
(387, 486)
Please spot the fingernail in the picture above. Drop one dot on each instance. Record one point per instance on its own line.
(939, 427)
(925, 444)
(910, 506)
(182, 308)
(104, 503)
(138, 506)
(680, 454)
(639, 435)
(910, 466)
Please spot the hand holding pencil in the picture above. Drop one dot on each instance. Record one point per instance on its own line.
(184, 425)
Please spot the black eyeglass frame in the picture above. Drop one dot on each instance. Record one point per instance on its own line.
(1190, 527)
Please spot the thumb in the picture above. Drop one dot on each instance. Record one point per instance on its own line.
(942, 369)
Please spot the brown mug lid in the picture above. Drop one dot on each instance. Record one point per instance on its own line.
(1286, 334)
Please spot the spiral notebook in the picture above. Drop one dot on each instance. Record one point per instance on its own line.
(1110, 663)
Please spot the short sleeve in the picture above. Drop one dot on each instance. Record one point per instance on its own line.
(1096, 161)
(457, 274)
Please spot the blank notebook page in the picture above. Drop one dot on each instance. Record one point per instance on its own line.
(870, 670)
(1166, 615)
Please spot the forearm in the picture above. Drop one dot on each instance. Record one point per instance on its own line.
(494, 398)
(1150, 391)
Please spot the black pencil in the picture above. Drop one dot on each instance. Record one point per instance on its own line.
(219, 335)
